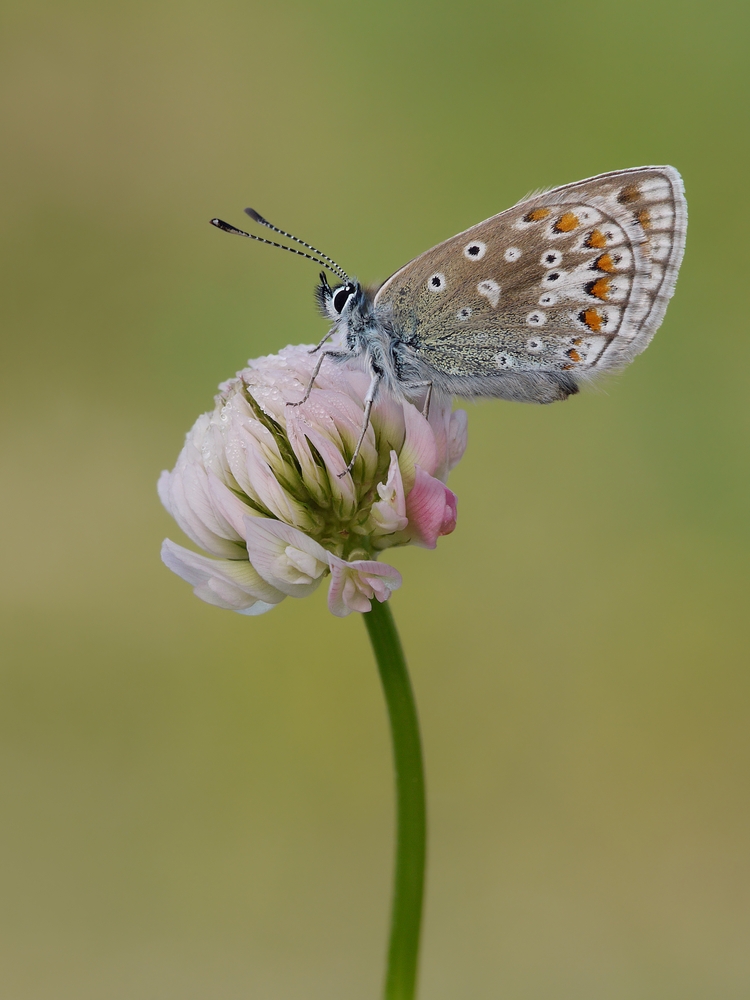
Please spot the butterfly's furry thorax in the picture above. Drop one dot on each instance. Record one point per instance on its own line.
(368, 333)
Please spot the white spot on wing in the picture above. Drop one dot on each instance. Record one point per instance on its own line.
(660, 247)
(503, 360)
(655, 278)
(475, 250)
(536, 318)
(611, 322)
(512, 254)
(552, 258)
(655, 188)
(622, 260)
(436, 282)
(552, 277)
(614, 235)
(587, 215)
(490, 290)
(661, 216)
(639, 308)
(548, 299)
(464, 313)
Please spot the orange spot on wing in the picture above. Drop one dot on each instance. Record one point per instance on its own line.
(577, 341)
(567, 368)
(605, 263)
(592, 318)
(599, 288)
(597, 240)
(537, 214)
(644, 217)
(573, 354)
(566, 223)
(629, 194)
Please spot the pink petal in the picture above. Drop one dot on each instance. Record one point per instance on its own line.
(388, 515)
(388, 413)
(229, 505)
(341, 489)
(195, 480)
(458, 434)
(450, 431)
(162, 488)
(173, 487)
(354, 584)
(272, 494)
(267, 544)
(335, 418)
(353, 598)
(419, 446)
(227, 583)
(431, 509)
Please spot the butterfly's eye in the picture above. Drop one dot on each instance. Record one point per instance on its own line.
(341, 296)
(475, 250)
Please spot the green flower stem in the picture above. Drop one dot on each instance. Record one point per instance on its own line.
(411, 820)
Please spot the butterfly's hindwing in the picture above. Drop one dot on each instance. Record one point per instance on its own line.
(563, 285)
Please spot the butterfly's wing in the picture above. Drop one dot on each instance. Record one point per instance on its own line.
(529, 303)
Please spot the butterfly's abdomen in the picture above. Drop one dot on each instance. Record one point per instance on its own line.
(519, 387)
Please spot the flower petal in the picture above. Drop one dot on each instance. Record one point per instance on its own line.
(197, 494)
(172, 490)
(259, 608)
(431, 509)
(228, 583)
(388, 515)
(272, 494)
(338, 482)
(285, 557)
(354, 584)
(419, 447)
(388, 415)
(229, 505)
(458, 434)
(450, 435)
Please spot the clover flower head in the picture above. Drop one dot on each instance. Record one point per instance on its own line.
(263, 487)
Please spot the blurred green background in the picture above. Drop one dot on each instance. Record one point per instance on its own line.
(199, 805)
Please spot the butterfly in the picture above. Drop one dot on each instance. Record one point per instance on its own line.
(528, 305)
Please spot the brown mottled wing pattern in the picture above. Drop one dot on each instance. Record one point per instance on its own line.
(572, 280)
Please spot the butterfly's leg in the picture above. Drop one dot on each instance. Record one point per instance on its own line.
(339, 355)
(369, 400)
(428, 396)
(330, 333)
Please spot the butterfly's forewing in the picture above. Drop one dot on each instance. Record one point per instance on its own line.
(567, 283)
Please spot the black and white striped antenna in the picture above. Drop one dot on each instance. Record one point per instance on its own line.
(322, 258)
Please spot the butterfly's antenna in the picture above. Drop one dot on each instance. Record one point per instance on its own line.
(264, 222)
(339, 272)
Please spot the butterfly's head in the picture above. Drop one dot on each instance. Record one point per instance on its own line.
(336, 302)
